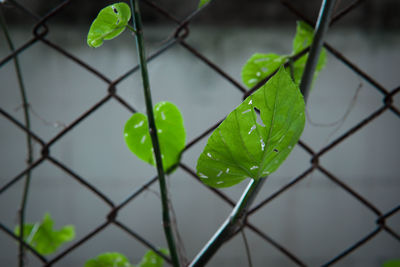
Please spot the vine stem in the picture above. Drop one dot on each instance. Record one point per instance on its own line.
(321, 27)
(25, 106)
(231, 225)
(168, 230)
(235, 220)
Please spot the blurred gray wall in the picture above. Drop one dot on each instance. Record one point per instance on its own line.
(369, 14)
(315, 220)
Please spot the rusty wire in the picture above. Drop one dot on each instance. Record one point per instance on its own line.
(177, 38)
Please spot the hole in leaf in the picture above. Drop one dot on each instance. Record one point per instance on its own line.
(259, 120)
(262, 144)
(252, 129)
(276, 150)
(115, 10)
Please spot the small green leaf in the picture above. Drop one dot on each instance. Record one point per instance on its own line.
(241, 147)
(29, 231)
(42, 236)
(152, 259)
(260, 66)
(392, 263)
(170, 131)
(109, 23)
(203, 2)
(109, 259)
(304, 37)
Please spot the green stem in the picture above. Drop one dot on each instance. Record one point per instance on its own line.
(25, 106)
(231, 225)
(321, 28)
(169, 234)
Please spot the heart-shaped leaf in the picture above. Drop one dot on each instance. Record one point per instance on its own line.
(170, 131)
(109, 23)
(241, 147)
(42, 236)
(259, 66)
(109, 259)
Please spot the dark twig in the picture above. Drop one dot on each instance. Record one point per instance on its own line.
(29, 160)
(247, 247)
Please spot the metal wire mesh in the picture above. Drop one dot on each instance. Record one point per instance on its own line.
(178, 38)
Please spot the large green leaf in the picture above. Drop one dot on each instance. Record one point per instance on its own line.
(241, 147)
(170, 131)
(42, 236)
(259, 66)
(152, 259)
(109, 23)
(109, 259)
(304, 37)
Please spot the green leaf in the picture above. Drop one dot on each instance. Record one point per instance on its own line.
(241, 147)
(203, 2)
(29, 231)
(109, 259)
(152, 259)
(109, 23)
(392, 263)
(170, 131)
(304, 37)
(42, 236)
(259, 66)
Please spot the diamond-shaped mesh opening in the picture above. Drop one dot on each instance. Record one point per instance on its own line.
(347, 101)
(210, 210)
(373, 253)
(321, 204)
(374, 178)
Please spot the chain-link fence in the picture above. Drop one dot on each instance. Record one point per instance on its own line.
(178, 40)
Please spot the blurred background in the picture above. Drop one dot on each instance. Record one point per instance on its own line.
(315, 219)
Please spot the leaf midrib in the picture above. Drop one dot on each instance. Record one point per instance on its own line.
(270, 130)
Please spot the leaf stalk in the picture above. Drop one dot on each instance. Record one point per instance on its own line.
(131, 28)
(168, 230)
